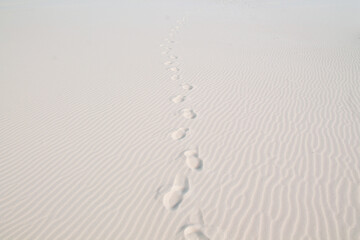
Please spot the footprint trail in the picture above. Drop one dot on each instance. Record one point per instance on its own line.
(174, 197)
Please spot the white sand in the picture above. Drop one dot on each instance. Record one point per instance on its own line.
(178, 119)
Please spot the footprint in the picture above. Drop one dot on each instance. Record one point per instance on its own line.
(192, 160)
(194, 163)
(174, 197)
(181, 183)
(175, 77)
(174, 69)
(194, 232)
(196, 217)
(191, 153)
(173, 57)
(188, 113)
(168, 63)
(178, 99)
(187, 86)
(179, 134)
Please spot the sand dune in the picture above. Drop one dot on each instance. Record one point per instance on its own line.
(222, 120)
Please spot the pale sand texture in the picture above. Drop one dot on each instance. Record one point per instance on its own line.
(223, 120)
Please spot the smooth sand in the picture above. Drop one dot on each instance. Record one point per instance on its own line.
(222, 120)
